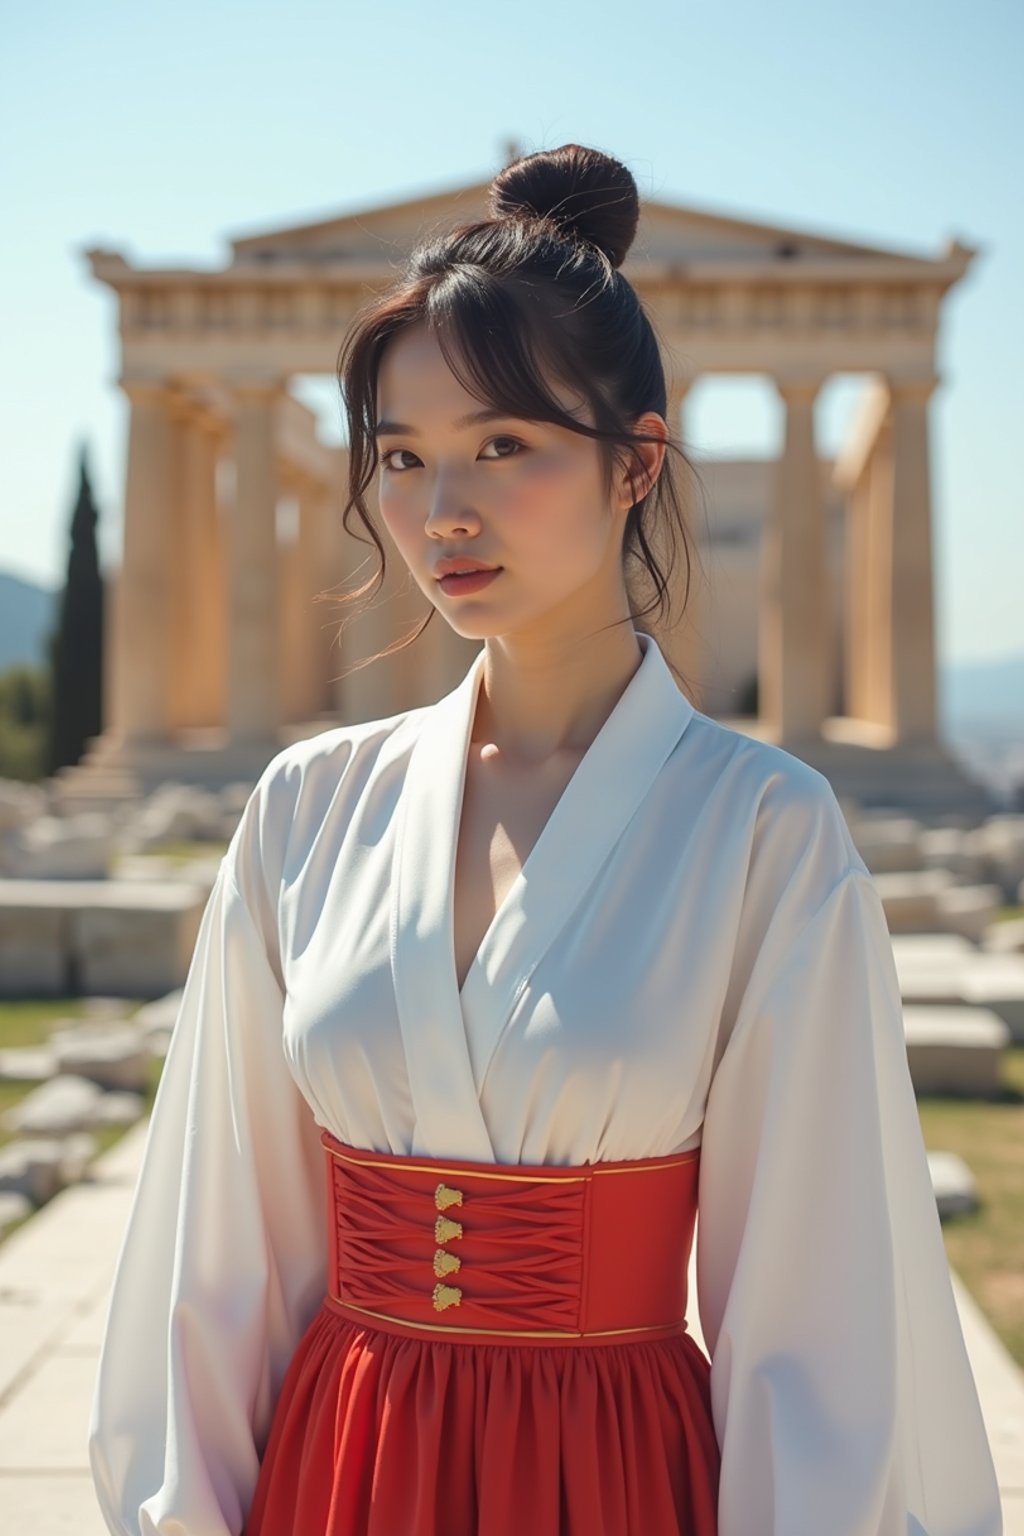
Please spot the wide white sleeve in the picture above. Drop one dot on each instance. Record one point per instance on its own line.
(223, 1261)
(842, 1394)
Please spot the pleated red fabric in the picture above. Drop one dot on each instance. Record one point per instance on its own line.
(502, 1349)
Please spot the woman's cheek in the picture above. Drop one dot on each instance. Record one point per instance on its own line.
(536, 493)
(399, 518)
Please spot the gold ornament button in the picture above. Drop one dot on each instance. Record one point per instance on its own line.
(446, 1229)
(446, 1263)
(446, 1296)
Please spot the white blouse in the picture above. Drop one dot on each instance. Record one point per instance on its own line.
(694, 953)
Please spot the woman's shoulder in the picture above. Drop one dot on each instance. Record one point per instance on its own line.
(785, 833)
(786, 804)
(308, 780)
(332, 754)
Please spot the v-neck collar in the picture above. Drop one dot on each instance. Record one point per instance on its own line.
(447, 1061)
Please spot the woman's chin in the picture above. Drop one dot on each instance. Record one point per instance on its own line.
(473, 626)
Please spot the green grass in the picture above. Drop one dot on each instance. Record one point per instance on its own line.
(30, 1023)
(986, 1247)
(183, 852)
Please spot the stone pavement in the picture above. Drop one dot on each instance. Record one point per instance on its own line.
(55, 1275)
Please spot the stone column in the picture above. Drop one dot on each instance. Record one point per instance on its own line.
(203, 587)
(182, 556)
(141, 704)
(876, 673)
(793, 663)
(197, 590)
(254, 700)
(321, 534)
(305, 622)
(857, 566)
(912, 659)
(211, 686)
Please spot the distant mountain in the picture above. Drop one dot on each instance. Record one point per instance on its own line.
(985, 694)
(982, 722)
(27, 613)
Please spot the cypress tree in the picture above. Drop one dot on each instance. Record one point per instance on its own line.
(76, 644)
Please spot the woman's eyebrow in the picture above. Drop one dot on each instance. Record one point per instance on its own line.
(400, 429)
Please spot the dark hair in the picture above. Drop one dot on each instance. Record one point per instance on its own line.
(533, 289)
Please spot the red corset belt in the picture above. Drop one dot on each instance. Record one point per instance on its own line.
(591, 1254)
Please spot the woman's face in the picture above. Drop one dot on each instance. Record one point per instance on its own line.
(525, 496)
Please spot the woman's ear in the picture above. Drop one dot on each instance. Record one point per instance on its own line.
(639, 475)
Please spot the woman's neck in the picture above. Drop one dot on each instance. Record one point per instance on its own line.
(531, 707)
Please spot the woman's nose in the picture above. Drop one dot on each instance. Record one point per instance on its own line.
(447, 509)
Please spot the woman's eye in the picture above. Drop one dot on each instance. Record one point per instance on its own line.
(386, 456)
(514, 441)
(517, 448)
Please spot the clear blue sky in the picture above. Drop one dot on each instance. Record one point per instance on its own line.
(162, 131)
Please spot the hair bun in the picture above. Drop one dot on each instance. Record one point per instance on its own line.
(587, 194)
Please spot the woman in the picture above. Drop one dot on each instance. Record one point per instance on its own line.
(492, 996)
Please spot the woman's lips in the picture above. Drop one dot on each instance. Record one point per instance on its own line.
(463, 583)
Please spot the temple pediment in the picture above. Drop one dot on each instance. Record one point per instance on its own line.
(667, 233)
(672, 233)
(375, 234)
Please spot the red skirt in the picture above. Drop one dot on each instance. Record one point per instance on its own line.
(502, 1350)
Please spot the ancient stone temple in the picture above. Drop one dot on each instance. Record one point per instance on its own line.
(224, 645)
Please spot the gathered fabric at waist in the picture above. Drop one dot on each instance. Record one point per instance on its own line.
(518, 1253)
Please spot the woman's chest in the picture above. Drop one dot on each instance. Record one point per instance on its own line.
(503, 815)
(591, 937)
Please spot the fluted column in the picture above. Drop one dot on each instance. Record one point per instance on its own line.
(254, 707)
(141, 696)
(912, 658)
(876, 639)
(203, 588)
(321, 533)
(211, 686)
(306, 627)
(182, 559)
(197, 582)
(793, 662)
(857, 565)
